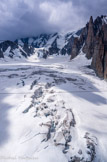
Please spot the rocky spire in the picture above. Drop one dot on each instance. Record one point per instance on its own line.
(95, 45)
(99, 60)
(89, 45)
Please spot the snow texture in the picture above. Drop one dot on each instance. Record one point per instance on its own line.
(52, 110)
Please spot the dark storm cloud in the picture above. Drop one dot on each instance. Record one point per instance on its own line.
(92, 7)
(22, 18)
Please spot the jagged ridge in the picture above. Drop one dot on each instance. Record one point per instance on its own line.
(42, 45)
(93, 41)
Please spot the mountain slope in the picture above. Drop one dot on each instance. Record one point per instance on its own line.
(9, 49)
(42, 45)
(55, 43)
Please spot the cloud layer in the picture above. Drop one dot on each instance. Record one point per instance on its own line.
(22, 18)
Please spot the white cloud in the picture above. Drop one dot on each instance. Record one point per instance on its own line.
(62, 14)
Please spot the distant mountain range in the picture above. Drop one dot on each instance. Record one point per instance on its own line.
(92, 40)
(42, 45)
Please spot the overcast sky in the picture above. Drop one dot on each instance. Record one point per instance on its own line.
(22, 18)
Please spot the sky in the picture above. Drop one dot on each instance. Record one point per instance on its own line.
(25, 18)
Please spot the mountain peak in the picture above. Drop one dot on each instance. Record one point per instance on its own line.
(95, 45)
(91, 20)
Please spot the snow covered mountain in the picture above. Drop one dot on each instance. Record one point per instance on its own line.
(9, 49)
(42, 45)
(92, 40)
(54, 109)
(53, 43)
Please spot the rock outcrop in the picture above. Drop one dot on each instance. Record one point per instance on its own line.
(93, 42)
(78, 43)
(89, 44)
(99, 60)
(1, 54)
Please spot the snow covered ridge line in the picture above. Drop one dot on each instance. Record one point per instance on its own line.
(40, 46)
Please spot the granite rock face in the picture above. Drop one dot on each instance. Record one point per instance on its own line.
(99, 60)
(75, 48)
(78, 43)
(89, 44)
(93, 42)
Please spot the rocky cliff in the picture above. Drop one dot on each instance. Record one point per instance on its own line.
(78, 43)
(93, 42)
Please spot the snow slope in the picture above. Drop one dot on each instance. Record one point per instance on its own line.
(52, 110)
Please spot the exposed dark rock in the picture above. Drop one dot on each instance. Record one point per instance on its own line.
(4, 45)
(54, 49)
(78, 43)
(1, 54)
(80, 151)
(12, 46)
(28, 49)
(89, 44)
(75, 48)
(99, 60)
(68, 46)
(93, 39)
(43, 53)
